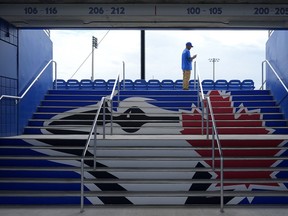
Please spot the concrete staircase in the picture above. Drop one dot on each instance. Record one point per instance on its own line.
(157, 154)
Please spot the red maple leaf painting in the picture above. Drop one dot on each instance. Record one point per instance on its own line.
(242, 121)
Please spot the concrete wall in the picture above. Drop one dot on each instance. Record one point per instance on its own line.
(277, 55)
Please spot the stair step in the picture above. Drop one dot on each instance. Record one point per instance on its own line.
(138, 181)
(122, 148)
(145, 169)
(142, 158)
(143, 193)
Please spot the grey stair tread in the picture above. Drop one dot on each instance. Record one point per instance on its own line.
(113, 148)
(156, 137)
(138, 181)
(135, 158)
(145, 169)
(140, 193)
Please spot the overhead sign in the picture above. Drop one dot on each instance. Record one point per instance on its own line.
(145, 15)
(143, 10)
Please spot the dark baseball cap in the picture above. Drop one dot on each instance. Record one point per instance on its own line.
(189, 44)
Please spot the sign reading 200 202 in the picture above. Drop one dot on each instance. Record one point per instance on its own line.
(143, 10)
(222, 10)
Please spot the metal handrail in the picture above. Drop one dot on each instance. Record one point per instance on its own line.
(202, 97)
(278, 77)
(29, 87)
(216, 135)
(94, 131)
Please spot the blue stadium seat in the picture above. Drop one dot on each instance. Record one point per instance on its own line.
(208, 84)
(100, 84)
(153, 84)
(167, 84)
(110, 84)
(140, 84)
(247, 84)
(191, 84)
(86, 84)
(73, 84)
(61, 84)
(178, 84)
(234, 85)
(221, 84)
(129, 84)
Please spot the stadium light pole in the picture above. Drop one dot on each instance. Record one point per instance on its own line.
(94, 46)
(214, 60)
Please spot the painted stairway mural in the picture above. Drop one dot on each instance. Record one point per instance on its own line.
(43, 165)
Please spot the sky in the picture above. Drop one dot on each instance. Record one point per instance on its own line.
(240, 53)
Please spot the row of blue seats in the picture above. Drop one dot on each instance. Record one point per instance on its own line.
(153, 84)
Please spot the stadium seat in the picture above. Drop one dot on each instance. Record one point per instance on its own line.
(167, 84)
(153, 84)
(208, 84)
(73, 84)
(100, 84)
(129, 85)
(61, 84)
(86, 84)
(221, 84)
(191, 84)
(234, 85)
(110, 84)
(140, 84)
(178, 84)
(247, 84)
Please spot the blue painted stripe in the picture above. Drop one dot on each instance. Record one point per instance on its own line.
(40, 186)
(39, 174)
(41, 200)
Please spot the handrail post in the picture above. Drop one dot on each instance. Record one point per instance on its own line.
(207, 118)
(202, 118)
(111, 118)
(213, 149)
(221, 185)
(195, 71)
(95, 143)
(104, 117)
(82, 185)
(262, 85)
(123, 63)
(55, 63)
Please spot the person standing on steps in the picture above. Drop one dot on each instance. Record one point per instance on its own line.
(187, 65)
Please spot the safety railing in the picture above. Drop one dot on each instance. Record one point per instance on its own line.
(201, 97)
(215, 136)
(93, 131)
(266, 62)
(29, 87)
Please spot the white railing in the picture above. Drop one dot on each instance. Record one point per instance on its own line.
(215, 136)
(266, 62)
(29, 87)
(93, 132)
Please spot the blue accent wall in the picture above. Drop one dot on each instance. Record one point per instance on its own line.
(23, 54)
(35, 51)
(8, 78)
(277, 55)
